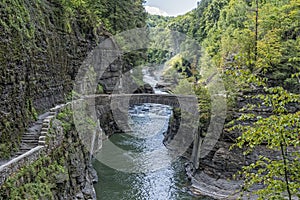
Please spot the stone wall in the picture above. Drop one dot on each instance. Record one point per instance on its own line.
(16, 164)
(46, 145)
(58, 146)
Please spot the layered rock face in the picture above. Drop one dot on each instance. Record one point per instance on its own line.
(78, 177)
(215, 174)
(222, 162)
(41, 50)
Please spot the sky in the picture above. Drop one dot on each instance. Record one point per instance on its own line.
(170, 7)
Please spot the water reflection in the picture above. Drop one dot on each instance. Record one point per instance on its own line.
(148, 123)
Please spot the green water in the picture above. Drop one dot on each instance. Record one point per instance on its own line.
(166, 183)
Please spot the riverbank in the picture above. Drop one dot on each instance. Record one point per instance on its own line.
(204, 185)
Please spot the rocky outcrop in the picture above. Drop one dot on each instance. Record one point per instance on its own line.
(76, 182)
(214, 177)
(173, 126)
(146, 88)
(164, 87)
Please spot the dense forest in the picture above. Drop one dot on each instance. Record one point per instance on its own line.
(262, 36)
(255, 46)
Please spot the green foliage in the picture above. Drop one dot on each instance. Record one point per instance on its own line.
(204, 106)
(31, 110)
(4, 151)
(100, 89)
(65, 116)
(118, 16)
(115, 16)
(81, 115)
(137, 75)
(15, 18)
(274, 70)
(159, 48)
(43, 172)
(280, 177)
(184, 87)
(197, 24)
(267, 57)
(157, 21)
(72, 96)
(278, 132)
(171, 75)
(32, 191)
(17, 34)
(252, 53)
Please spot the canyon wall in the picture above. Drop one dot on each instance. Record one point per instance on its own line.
(41, 49)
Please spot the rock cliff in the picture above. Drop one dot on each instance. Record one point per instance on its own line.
(41, 50)
(42, 47)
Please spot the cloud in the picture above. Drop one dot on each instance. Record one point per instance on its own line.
(155, 11)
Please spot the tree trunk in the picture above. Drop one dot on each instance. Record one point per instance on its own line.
(256, 31)
(285, 171)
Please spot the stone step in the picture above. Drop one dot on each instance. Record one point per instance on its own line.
(29, 141)
(44, 129)
(42, 143)
(23, 150)
(29, 145)
(26, 149)
(33, 136)
(30, 137)
(42, 138)
(47, 120)
(43, 133)
(32, 140)
(32, 133)
(47, 126)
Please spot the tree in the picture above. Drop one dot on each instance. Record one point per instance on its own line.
(275, 63)
(278, 133)
(256, 43)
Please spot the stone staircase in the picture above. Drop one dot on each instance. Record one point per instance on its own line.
(35, 135)
(33, 144)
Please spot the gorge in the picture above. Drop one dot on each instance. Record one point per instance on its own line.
(222, 121)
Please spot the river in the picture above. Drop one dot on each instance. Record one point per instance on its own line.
(148, 122)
